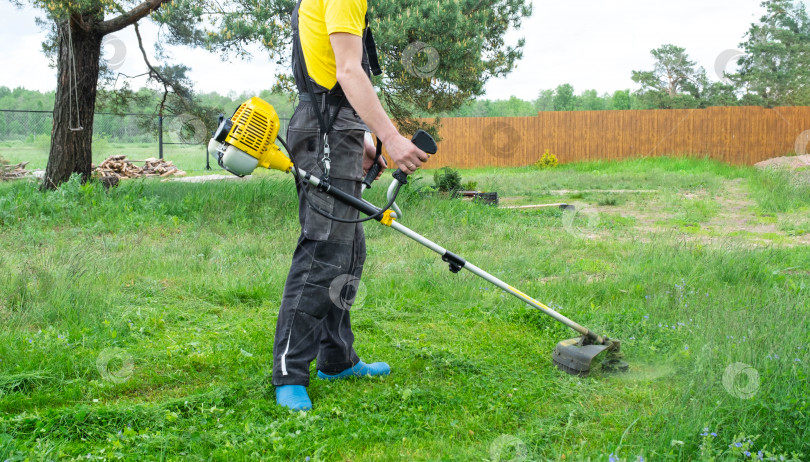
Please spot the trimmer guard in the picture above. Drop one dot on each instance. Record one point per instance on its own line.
(574, 356)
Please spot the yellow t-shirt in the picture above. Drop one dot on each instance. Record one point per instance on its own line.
(319, 18)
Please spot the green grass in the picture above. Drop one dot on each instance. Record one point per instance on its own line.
(185, 280)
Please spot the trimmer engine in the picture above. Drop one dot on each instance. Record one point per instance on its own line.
(247, 140)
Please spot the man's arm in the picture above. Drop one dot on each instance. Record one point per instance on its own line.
(353, 80)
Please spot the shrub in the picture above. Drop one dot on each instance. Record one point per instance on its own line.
(447, 180)
(548, 160)
(470, 186)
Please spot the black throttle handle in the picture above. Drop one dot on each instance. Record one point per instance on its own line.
(375, 167)
(423, 141)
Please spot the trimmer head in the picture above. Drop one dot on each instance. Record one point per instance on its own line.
(575, 355)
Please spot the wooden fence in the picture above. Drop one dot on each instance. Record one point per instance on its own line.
(737, 135)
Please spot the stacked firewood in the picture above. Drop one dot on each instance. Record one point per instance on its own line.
(13, 172)
(120, 167)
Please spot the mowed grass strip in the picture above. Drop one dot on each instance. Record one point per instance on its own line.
(138, 323)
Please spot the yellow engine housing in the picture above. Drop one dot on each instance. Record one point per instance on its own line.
(254, 131)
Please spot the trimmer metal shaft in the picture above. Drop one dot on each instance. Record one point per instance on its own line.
(456, 262)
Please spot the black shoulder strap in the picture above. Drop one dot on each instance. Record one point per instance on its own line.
(371, 50)
(300, 66)
(298, 46)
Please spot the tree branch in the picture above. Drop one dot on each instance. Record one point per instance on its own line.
(154, 72)
(130, 17)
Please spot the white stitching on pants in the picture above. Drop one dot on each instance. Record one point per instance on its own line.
(287, 350)
(297, 302)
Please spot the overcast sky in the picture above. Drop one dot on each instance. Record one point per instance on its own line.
(592, 44)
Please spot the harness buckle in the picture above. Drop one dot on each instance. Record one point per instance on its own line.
(327, 162)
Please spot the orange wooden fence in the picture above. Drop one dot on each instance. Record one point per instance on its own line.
(737, 135)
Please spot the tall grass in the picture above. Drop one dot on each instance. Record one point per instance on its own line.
(185, 279)
(782, 190)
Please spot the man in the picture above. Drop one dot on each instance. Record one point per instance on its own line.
(338, 99)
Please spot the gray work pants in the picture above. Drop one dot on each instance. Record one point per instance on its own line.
(314, 318)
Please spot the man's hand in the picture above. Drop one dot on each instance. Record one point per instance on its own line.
(370, 155)
(353, 80)
(407, 156)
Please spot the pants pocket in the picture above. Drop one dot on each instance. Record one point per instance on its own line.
(331, 262)
(316, 226)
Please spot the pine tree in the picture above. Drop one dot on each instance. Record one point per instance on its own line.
(774, 69)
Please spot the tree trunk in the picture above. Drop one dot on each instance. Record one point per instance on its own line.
(72, 133)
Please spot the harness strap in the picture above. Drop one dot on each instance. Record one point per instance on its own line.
(371, 51)
(335, 96)
(303, 65)
(331, 100)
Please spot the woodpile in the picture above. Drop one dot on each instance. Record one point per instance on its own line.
(13, 172)
(121, 168)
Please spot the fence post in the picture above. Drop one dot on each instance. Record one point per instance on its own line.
(160, 136)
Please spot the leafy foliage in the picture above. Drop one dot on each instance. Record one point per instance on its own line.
(547, 160)
(474, 53)
(564, 98)
(447, 180)
(773, 71)
(674, 82)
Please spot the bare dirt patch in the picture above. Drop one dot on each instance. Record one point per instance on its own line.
(736, 220)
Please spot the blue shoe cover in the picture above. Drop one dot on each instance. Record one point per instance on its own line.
(360, 369)
(293, 397)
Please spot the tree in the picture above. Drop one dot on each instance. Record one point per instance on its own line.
(412, 35)
(621, 100)
(544, 101)
(77, 30)
(564, 99)
(719, 94)
(438, 55)
(673, 71)
(774, 68)
(674, 82)
(590, 100)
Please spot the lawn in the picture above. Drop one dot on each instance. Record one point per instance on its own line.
(138, 324)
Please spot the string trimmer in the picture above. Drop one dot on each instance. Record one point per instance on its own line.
(247, 141)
